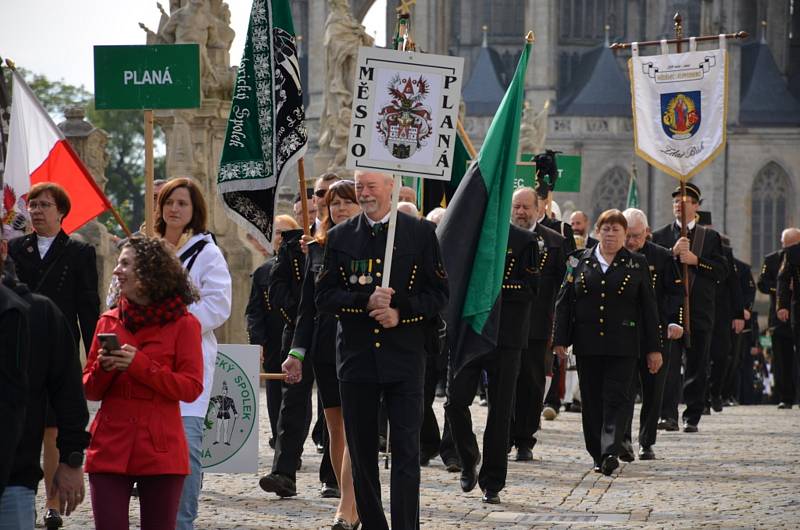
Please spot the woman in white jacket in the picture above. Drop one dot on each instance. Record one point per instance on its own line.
(182, 222)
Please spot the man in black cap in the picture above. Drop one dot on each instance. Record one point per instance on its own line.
(701, 251)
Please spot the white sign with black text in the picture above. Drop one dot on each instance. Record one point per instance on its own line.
(405, 110)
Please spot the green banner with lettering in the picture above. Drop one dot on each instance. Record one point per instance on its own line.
(569, 172)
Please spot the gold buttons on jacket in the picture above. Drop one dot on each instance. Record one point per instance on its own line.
(377, 344)
(376, 331)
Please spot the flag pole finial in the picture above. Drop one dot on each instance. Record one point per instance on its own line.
(529, 38)
(11, 64)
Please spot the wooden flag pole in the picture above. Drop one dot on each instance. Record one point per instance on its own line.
(273, 377)
(301, 178)
(149, 226)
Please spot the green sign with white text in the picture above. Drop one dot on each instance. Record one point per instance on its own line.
(160, 76)
(569, 172)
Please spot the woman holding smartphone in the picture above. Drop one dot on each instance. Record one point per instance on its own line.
(143, 361)
(181, 221)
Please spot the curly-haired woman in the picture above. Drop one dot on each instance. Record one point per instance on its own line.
(140, 374)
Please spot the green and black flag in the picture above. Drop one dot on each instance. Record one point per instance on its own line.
(474, 232)
(266, 129)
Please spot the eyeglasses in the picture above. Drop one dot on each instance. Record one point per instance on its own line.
(40, 205)
(320, 193)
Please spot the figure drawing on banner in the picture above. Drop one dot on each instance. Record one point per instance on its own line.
(404, 122)
(680, 103)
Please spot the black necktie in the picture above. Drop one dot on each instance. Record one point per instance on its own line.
(377, 228)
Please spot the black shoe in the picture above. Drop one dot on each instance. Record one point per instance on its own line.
(784, 405)
(707, 410)
(330, 491)
(626, 452)
(575, 406)
(299, 463)
(716, 404)
(596, 468)
(491, 497)
(646, 453)
(214, 443)
(668, 424)
(52, 519)
(610, 463)
(469, 478)
(452, 465)
(271, 442)
(320, 449)
(278, 484)
(524, 454)
(689, 427)
(482, 401)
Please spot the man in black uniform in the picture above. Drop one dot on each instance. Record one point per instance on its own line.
(381, 342)
(701, 250)
(729, 315)
(533, 367)
(788, 300)
(666, 283)
(502, 367)
(783, 347)
(741, 341)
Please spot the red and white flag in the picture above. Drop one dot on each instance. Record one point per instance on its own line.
(39, 152)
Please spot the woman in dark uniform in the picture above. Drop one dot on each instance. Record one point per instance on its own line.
(605, 309)
(315, 341)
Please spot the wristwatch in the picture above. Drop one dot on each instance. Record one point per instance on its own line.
(75, 459)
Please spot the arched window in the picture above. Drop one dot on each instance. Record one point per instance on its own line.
(771, 196)
(611, 191)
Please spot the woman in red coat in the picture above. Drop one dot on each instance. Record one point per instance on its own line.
(137, 435)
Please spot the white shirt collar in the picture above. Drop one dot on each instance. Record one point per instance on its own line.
(384, 220)
(44, 244)
(690, 226)
(603, 263)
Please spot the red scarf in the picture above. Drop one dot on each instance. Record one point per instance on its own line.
(135, 317)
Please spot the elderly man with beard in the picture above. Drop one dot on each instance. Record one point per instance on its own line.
(536, 361)
(381, 344)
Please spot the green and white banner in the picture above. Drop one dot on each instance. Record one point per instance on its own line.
(266, 133)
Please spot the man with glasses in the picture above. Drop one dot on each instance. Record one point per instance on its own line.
(666, 283)
(65, 270)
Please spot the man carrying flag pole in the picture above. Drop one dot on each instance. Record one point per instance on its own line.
(484, 260)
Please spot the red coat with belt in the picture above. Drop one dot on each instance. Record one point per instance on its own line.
(138, 429)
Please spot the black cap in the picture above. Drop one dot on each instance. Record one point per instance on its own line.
(309, 195)
(692, 190)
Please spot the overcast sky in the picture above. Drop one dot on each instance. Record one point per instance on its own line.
(55, 37)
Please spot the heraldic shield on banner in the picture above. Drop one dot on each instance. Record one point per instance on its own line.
(680, 104)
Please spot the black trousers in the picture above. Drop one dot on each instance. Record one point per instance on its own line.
(293, 426)
(273, 358)
(673, 384)
(530, 394)
(652, 386)
(502, 367)
(696, 376)
(605, 382)
(360, 403)
(429, 437)
(783, 349)
(719, 357)
(553, 398)
(730, 383)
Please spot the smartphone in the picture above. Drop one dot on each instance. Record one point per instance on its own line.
(108, 341)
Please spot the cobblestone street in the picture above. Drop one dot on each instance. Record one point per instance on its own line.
(741, 471)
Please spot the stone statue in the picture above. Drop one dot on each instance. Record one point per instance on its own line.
(207, 23)
(533, 131)
(343, 36)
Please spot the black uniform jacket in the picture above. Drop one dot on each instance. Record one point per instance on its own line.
(365, 350)
(564, 230)
(286, 277)
(519, 287)
(264, 321)
(789, 283)
(551, 264)
(315, 332)
(67, 275)
(666, 281)
(54, 375)
(730, 300)
(610, 313)
(703, 277)
(746, 283)
(768, 284)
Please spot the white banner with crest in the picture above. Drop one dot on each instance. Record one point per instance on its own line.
(680, 104)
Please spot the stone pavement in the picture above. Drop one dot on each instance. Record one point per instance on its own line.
(742, 470)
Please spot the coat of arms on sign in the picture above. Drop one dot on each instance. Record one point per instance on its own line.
(404, 122)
